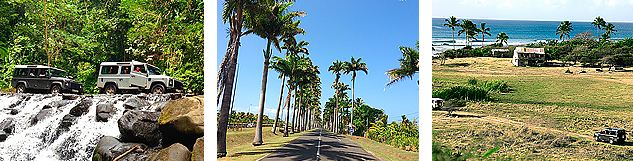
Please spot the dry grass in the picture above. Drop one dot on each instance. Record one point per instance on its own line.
(545, 97)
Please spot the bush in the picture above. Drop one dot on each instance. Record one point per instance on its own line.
(472, 81)
(496, 86)
(462, 92)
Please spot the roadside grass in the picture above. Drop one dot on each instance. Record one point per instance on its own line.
(384, 150)
(473, 136)
(239, 143)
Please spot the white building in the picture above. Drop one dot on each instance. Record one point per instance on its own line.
(524, 56)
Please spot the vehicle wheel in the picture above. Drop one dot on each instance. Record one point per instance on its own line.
(596, 138)
(55, 89)
(20, 88)
(611, 141)
(158, 89)
(110, 89)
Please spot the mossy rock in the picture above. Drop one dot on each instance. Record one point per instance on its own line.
(186, 114)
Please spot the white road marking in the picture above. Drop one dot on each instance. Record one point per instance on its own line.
(319, 146)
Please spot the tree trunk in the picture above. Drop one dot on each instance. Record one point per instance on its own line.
(236, 26)
(262, 97)
(351, 120)
(287, 111)
(281, 95)
(294, 103)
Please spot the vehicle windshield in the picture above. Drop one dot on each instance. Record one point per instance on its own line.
(153, 70)
(57, 73)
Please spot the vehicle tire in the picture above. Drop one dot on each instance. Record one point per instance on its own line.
(596, 138)
(611, 141)
(20, 89)
(158, 89)
(55, 89)
(110, 89)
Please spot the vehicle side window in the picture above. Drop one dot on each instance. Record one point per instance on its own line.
(139, 68)
(32, 72)
(109, 69)
(125, 69)
(20, 72)
(42, 73)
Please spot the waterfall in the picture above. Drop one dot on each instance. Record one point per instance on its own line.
(46, 139)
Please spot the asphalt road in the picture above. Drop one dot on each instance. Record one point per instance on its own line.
(320, 144)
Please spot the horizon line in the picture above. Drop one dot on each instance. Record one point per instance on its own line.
(531, 19)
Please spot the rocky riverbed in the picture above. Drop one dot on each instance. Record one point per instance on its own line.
(101, 127)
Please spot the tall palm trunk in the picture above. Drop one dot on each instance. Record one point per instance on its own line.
(262, 97)
(236, 26)
(281, 95)
(294, 103)
(287, 110)
(453, 32)
(353, 106)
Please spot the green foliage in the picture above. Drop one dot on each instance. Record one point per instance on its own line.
(495, 86)
(402, 135)
(472, 81)
(443, 153)
(364, 115)
(462, 92)
(78, 36)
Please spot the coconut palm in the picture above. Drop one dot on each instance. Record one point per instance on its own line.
(351, 67)
(599, 23)
(233, 14)
(298, 63)
(408, 65)
(563, 29)
(270, 20)
(282, 66)
(484, 31)
(502, 37)
(451, 23)
(610, 29)
(468, 28)
(336, 68)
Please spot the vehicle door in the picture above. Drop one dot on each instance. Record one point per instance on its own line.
(44, 78)
(125, 75)
(604, 135)
(33, 79)
(138, 76)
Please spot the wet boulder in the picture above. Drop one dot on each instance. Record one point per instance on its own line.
(42, 115)
(109, 148)
(182, 121)
(135, 103)
(175, 152)
(3, 136)
(7, 125)
(69, 96)
(198, 150)
(14, 112)
(140, 126)
(68, 120)
(81, 108)
(105, 111)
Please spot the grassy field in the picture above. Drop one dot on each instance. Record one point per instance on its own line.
(385, 151)
(542, 97)
(239, 143)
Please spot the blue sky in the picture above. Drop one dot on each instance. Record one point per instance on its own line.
(338, 30)
(556, 10)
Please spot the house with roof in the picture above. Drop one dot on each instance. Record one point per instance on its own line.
(524, 56)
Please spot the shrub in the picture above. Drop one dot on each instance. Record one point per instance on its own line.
(462, 92)
(495, 86)
(472, 81)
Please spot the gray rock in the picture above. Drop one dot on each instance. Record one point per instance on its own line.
(135, 103)
(14, 112)
(140, 126)
(198, 150)
(7, 125)
(175, 152)
(41, 115)
(3, 136)
(68, 120)
(81, 108)
(69, 97)
(109, 148)
(105, 111)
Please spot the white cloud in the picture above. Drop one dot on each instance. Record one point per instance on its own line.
(506, 4)
(597, 2)
(611, 2)
(630, 1)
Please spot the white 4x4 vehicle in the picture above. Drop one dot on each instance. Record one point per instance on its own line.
(115, 77)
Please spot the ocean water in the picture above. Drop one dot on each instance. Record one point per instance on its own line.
(519, 31)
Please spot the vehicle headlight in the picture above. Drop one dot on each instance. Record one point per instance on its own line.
(171, 82)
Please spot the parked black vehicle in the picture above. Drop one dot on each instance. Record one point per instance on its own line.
(34, 78)
(611, 135)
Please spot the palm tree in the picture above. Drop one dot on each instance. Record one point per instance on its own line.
(610, 29)
(351, 67)
(468, 28)
(292, 47)
(233, 14)
(451, 23)
(563, 29)
(484, 31)
(282, 66)
(336, 68)
(408, 65)
(270, 20)
(502, 37)
(599, 23)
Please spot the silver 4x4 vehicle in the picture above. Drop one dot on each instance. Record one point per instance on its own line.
(611, 135)
(115, 77)
(44, 78)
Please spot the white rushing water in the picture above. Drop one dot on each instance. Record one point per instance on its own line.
(47, 140)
